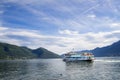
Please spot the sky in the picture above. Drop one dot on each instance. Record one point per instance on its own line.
(60, 25)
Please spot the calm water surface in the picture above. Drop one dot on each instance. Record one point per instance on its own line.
(56, 69)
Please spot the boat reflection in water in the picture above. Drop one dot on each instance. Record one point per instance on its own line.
(78, 66)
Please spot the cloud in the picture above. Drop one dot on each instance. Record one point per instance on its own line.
(3, 28)
(58, 44)
(113, 34)
(91, 8)
(68, 32)
(91, 16)
(72, 18)
(115, 25)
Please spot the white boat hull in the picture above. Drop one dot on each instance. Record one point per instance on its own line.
(77, 59)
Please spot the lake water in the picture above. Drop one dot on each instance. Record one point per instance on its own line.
(56, 69)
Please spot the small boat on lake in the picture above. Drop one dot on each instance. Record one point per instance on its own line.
(83, 56)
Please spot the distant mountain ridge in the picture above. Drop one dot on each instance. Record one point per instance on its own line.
(44, 53)
(107, 51)
(9, 51)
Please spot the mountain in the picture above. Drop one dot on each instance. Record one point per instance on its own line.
(8, 51)
(44, 53)
(111, 50)
(107, 51)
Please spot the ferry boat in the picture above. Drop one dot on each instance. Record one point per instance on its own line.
(83, 56)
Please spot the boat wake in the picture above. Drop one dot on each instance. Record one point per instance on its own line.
(107, 60)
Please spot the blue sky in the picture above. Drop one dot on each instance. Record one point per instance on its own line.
(60, 25)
